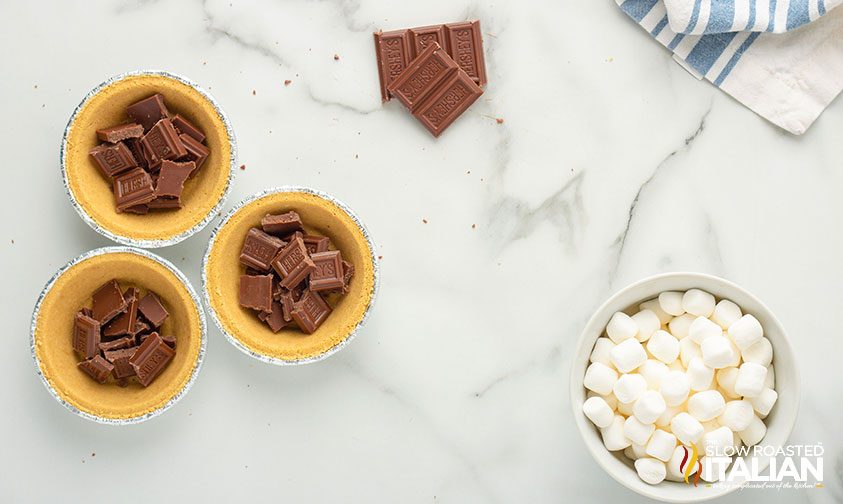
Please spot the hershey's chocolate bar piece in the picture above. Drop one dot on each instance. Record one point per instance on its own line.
(448, 102)
(465, 45)
(293, 264)
(125, 322)
(274, 319)
(328, 273)
(170, 340)
(118, 344)
(120, 132)
(256, 292)
(86, 336)
(148, 111)
(310, 311)
(260, 249)
(97, 368)
(424, 35)
(140, 326)
(108, 302)
(135, 147)
(171, 179)
(196, 152)
(151, 358)
(423, 76)
(162, 142)
(282, 223)
(347, 275)
(112, 159)
(151, 308)
(287, 305)
(316, 243)
(133, 188)
(394, 53)
(119, 358)
(86, 312)
(185, 127)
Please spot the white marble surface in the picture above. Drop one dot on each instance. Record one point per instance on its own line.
(612, 163)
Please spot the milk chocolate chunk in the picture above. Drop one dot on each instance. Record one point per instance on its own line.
(328, 273)
(161, 143)
(260, 249)
(118, 344)
(293, 264)
(112, 159)
(287, 305)
(148, 111)
(449, 101)
(196, 152)
(164, 203)
(424, 76)
(316, 243)
(274, 319)
(86, 336)
(425, 35)
(282, 223)
(348, 273)
(133, 188)
(256, 292)
(310, 312)
(140, 327)
(185, 127)
(120, 132)
(170, 340)
(152, 310)
(172, 177)
(108, 302)
(97, 367)
(394, 53)
(125, 322)
(465, 45)
(135, 147)
(120, 360)
(151, 358)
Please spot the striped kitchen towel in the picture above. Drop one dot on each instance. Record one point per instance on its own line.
(696, 17)
(787, 78)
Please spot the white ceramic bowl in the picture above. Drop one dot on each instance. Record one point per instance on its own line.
(779, 422)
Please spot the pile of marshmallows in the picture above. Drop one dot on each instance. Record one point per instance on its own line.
(683, 369)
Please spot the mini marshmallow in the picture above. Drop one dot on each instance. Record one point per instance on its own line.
(648, 323)
(671, 411)
(697, 302)
(663, 346)
(601, 350)
(706, 405)
(650, 470)
(760, 352)
(628, 355)
(726, 378)
(717, 352)
(675, 388)
(600, 378)
(638, 450)
(629, 387)
(625, 409)
(716, 441)
(702, 328)
(770, 380)
(750, 380)
(621, 327)
(661, 445)
(736, 415)
(700, 376)
(687, 429)
(671, 302)
(636, 431)
(754, 433)
(674, 473)
(746, 331)
(609, 398)
(680, 325)
(654, 306)
(688, 350)
(598, 411)
(764, 402)
(736, 353)
(613, 438)
(654, 372)
(726, 313)
(677, 364)
(649, 406)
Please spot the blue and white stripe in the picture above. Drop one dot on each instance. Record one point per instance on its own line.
(702, 17)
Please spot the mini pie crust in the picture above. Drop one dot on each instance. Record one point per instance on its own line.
(223, 270)
(108, 108)
(54, 327)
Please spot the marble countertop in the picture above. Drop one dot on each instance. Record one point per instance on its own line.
(612, 163)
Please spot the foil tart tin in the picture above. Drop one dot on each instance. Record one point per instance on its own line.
(202, 325)
(126, 240)
(375, 283)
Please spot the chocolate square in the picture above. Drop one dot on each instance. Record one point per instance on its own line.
(281, 224)
(328, 273)
(97, 368)
(316, 243)
(310, 311)
(120, 132)
(151, 358)
(108, 302)
(112, 159)
(152, 310)
(171, 179)
(196, 152)
(133, 188)
(256, 292)
(162, 142)
(120, 360)
(293, 263)
(148, 111)
(86, 336)
(125, 322)
(259, 249)
(185, 127)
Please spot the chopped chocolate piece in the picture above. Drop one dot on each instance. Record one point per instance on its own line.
(108, 302)
(423, 36)
(133, 188)
(120, 359)
(348, 273)
(274, 319)
(118, 344)
(151, 358)
(447, 103)
(394, 53)
(196, 152)
(148, 111)
(287, 305)
(310, 311)
(293, 263)
(152, 309)
(86, 312)
(424, 75)
(97, 368)
(164, 203)
(328, 273)
(86, 336)
(260, 249)
(125, 322)
(282, 223)
(172, 177)
(316, 243)
(162, 142)
(138, 209)
(135, 147)
(120, 132)
(256, 292)
(140, 326)
(170, 340)
(185, 127)
(112, 159)
(465, 45)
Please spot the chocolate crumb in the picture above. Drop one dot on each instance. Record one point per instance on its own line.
(242, 167)
(253, 92)
(93, 454)
(336, 57)
(287, 82)
(380, 257)
(474, 226)
(499, 120)
(424, 220)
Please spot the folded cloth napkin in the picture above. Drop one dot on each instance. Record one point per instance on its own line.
(695, 17)
(787, 78)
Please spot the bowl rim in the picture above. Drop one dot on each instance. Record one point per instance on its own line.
(576, 380)
(197, 306)
(126, 240)
(375, 273)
